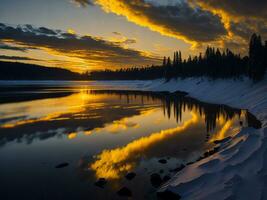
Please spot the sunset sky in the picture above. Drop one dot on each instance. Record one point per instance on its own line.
(85, 35)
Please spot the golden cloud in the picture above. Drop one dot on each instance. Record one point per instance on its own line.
(179, 21)
(88, 50)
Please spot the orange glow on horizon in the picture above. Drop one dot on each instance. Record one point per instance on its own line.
(52, 109)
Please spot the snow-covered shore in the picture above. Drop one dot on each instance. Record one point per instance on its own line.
(239, 169)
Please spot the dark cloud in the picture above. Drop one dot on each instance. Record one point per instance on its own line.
(13, 48)
(241, 29)
(40, 30)
(245, 17)
(116, 33)
(246, 27)
(238, 8)
(123, 40)
(130, 41)
(18, 58)
(192, 23)
(47, 31)
(83, 3)
(94, 50)
(178, 19)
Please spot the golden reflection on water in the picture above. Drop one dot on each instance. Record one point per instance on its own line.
(120, 125)
(110, 164)
(50, 109)
(228, 127)
(29, 121)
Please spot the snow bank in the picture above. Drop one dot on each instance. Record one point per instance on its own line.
(239, 169)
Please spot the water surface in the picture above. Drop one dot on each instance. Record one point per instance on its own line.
(101, 134)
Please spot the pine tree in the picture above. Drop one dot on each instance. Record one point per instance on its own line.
(164, 62)
(256, 58)
(174, 59)
(180, 57)
(168, 62)
(177, 58)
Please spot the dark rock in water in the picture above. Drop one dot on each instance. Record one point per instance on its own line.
(166, 178)
(162, 161)
(61, 165)
(216, 149)
(206, 154)
(101, 182)
(178, 168)
(168, 195)
(155, 180)
(161, 171)
(124, 192)
(130, 175)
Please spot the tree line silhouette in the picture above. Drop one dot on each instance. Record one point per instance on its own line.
(23, 71)
(214, 64)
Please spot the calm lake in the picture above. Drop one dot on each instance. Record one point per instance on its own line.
(58, 140)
